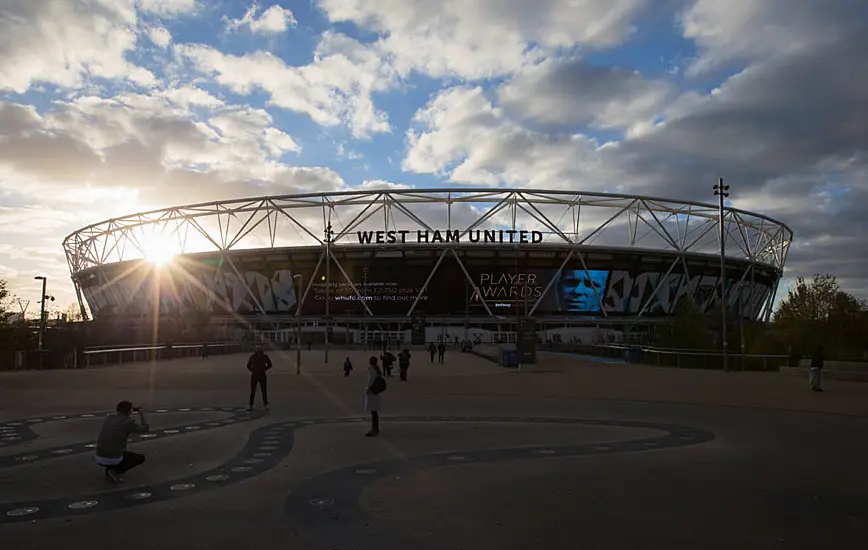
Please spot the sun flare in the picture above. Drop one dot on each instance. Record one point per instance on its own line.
(159, 251)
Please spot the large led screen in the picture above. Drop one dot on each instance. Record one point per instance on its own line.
(390, 287)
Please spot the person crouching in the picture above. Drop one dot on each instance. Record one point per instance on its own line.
(111, 445)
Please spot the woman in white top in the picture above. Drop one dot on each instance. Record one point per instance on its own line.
(372, 400)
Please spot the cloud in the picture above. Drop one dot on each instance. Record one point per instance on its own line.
(31, 220)
(168, 7)
(377, 185)
(154, 145)
(784, 131)
(160, 36)
(273, 20)
(782, 117)
(63, 43)
(335, 88)
(188, 96)
(743, 30)
(523, 94)
(465, 138)
(574, 92)
(487, 38)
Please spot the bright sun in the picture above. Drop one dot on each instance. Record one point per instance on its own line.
(159, 252)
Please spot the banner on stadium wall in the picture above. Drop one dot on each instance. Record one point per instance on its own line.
(389, 287)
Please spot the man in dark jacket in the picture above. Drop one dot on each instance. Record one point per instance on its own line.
(404, 363)
(111, 445)
(258, 364)
(388, 360)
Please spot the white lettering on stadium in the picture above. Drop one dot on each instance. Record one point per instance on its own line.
(438, 236)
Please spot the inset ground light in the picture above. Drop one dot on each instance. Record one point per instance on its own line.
(271, 444)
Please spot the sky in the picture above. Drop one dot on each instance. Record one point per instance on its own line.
(110, 107)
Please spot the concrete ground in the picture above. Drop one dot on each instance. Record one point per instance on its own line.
(570, 454)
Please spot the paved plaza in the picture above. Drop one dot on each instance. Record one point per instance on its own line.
(572, 453)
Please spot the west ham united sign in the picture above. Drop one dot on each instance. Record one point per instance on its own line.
(437, 236)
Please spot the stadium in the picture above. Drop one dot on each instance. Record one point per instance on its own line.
(410, 263)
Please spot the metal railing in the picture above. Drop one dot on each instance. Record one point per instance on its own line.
(115, 355)
(680, 358)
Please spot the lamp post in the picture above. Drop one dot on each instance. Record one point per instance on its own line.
(298, 323)
(721, 191)
(42, 309)
(328, 239)
(741, 322)
(365, 271)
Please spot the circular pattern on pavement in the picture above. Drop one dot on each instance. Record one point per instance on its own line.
(336, 491)
(343, 524)
(20, 432)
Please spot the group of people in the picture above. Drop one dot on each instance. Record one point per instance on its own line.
(260, 363)
(388, 361)
(111, 445)
(439, 350)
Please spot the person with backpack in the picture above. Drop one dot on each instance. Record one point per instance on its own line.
(441, 351)
(432, 351)
(258, 364)
(404, 363)
(348, 367)
(375, 386)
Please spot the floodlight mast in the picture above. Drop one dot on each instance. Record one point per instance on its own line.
(721, 191)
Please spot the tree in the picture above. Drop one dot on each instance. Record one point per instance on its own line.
(820, 313)
(73, 313)
(688, 330)
(6, 297)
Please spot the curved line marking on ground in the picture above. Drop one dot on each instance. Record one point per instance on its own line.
(269, 445)
(23, 432)
(326, 512)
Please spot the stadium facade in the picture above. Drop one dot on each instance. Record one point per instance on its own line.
(443, 256)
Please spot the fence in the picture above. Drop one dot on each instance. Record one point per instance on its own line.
(114, 355)
(680, 358)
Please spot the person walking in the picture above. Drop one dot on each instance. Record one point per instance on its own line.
(432, 351)
(348, 367)
(258, 364)
(375, 386)
(388, 360)
(816, 373)
(111, 444)
(441, 351)
(404, 363)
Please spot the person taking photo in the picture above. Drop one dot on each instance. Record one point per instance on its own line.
(111, 444)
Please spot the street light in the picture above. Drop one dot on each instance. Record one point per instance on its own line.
(42, 309)
(721, 191)
(328, 281)
(298, 324)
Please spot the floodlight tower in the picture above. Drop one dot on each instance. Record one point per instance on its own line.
(721, 191)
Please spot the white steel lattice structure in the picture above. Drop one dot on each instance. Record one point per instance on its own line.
(570, 227)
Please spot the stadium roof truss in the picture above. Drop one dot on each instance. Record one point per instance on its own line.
(577, 221)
